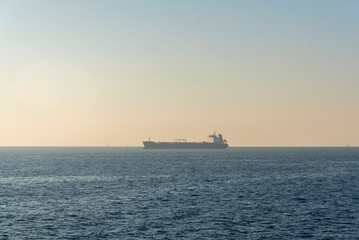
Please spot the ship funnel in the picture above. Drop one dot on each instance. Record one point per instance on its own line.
(220, 138)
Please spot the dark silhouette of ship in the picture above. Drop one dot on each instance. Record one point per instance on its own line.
(218, 143)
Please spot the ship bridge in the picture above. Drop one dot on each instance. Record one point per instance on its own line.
(217, 139)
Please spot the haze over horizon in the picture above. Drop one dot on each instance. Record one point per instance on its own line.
(98, 73)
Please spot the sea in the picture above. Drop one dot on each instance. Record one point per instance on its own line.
(132, 193)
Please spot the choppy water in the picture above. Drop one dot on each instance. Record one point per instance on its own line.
(131, 193)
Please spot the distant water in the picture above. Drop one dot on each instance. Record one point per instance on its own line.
(131, 193)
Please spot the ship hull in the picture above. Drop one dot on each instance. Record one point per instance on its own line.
(183, 145)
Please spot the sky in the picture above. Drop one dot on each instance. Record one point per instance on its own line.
(113, 73)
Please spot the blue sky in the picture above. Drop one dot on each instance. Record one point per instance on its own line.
(262, 72)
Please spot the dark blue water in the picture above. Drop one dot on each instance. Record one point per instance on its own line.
(130, 193)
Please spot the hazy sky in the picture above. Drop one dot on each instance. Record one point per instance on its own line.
(263, 73)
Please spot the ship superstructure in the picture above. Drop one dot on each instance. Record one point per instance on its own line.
(218, 143)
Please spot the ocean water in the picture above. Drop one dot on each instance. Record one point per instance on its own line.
(131, 193)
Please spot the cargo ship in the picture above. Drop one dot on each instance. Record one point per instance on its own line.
(218, 143)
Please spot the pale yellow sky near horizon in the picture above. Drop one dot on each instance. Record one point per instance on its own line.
(279, 74)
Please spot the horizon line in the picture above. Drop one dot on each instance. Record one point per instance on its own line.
(104, 146)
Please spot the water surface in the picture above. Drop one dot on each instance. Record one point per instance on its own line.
(131, 193)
